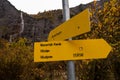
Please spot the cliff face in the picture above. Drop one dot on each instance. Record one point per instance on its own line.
(7, 10)
(10, 23)
(37, 27)
(9, 18)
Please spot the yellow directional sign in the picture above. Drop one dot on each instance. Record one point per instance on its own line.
(71, 50)
(77, 25)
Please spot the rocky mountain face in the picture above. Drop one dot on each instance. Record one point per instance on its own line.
(9, 18)
(37, 27)
(10, 24)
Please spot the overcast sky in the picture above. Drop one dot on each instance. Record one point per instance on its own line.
(35, 6)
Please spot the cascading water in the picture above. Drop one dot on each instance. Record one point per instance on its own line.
(22, 23)
(21, 29)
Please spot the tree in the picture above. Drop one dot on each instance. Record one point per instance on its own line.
(105, 23)
(16, 61)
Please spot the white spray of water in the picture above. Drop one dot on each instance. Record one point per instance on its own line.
(22, 23)
(21, 28)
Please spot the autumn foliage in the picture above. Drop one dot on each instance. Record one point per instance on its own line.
(16, 58)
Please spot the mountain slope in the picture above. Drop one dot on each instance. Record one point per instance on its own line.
(37, 27)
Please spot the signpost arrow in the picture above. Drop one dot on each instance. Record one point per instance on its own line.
(71, 50)
(77, 25)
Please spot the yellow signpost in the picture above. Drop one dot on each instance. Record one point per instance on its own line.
(71, 50)
(77, 25)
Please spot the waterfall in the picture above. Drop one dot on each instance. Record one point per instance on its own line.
(22, 23)
(10, 40)
(21, 29)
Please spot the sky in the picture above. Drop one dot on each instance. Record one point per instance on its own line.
(35, 6)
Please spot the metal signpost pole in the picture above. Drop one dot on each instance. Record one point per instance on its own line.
(70, 64)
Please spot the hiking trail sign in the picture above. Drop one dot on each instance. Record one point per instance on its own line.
(77, 25)
(59, 50)
(71, 50)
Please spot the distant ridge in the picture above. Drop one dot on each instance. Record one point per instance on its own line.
(37, 27)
